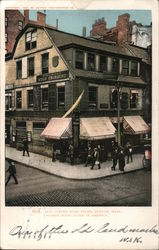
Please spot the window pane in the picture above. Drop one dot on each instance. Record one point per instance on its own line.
(134, 68)
(28, 37)
(30, 98)
(93, 97)
(91, 62)
(61, 96)
(31, 66)
(134, 98)
(124, 100)
(115, 64)
(79, 59)
(45, 98)
(20, 25)
(19, 99)
(102, 63)
(125, 67)
(45, 63)
(33, 36)
(19, 69)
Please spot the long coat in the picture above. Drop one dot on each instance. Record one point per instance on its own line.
(121, 161)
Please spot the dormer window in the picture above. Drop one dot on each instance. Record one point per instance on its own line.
(30, 40)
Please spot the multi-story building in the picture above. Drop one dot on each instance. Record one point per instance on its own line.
(45, 75)
(124, 31)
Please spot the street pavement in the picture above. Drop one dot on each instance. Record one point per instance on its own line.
(37, 188)
(65, 170)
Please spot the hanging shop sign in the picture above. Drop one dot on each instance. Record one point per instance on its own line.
(53, 76)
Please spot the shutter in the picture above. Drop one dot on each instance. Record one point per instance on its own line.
(37, 98)
(52, 97)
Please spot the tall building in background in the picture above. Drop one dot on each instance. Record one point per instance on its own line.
(124, 31)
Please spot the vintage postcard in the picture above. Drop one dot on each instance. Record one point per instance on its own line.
(79, 124)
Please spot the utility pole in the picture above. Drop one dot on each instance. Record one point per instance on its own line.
(118, 114)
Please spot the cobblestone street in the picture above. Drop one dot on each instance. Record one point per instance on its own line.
(36, 188)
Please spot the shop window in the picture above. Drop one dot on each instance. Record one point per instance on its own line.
(61, 96)
(6, 37)
(92, 95)
(30, 40)
(134, 68)
(115, 65)
(8, 101)
(91, 61)
(45, 63)
(79, 63)
(125, 67)
(39, 125)
(31, 66)
(102, 63)
(30, 98)
(6, 21)
(114, 98)
(134, 96)
(18, 99)
(44, 98)
(124, 100)
(20, 25)
(19, 69)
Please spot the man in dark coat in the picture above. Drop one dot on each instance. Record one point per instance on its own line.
(114, 158)
(129, 152)
(89, 155)
(12, 172)
(96, 158)
(25, 146)
(121, 158)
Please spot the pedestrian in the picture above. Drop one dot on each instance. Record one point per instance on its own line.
(12, 172)
(129, 152)
(121, 158)
(114, 158)
(100, 152)
(25, 146)
(96, 159)
(53, 153)
(71, 153)
(89, 155)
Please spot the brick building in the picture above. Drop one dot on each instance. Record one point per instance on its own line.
(124, 31)
(45, 75)
(15, 21)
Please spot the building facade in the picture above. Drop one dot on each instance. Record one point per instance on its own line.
(124, 31)
(46, 75)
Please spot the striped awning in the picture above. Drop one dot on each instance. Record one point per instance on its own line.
(95, 128)
(135, 125)
(58, 128)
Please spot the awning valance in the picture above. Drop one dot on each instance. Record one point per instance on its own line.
(96, 128)
(58, 128)
(135, 125)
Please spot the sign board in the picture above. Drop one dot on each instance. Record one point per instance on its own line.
(53, 76)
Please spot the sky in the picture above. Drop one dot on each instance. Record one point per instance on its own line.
(72, 21)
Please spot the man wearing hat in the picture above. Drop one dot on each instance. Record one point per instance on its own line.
(12, 172)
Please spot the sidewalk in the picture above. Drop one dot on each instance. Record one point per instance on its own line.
(65, 170)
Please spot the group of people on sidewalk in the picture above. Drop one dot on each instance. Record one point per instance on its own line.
(118, 155)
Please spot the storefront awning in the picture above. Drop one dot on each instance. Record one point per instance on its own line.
(96, 128)
(135, 125)
(58, 128)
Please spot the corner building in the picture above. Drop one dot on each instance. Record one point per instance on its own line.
(45, 75)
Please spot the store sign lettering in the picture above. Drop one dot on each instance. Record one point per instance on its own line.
(53, 76)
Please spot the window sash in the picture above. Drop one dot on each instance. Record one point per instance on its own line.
(18, 99)
(125, 67)
(45, 63)
(102, 63)
(91, 61)
(20, 25)
(30, 98)
(134, 99)
(79, 59)
(61, 96)
(115, 64)
(44, 97)
(6, 21)
(31, 66)
(92, 95)
(134, 68)
(19, 69)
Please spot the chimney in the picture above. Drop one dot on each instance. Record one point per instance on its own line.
(84, 31)
(26, 16)
(57, 23)
(41, 18)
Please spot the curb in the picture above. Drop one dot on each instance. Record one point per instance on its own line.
(77, 179)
